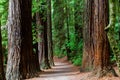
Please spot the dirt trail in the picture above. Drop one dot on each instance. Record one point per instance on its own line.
(64, 70)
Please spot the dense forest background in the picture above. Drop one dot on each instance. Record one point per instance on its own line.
(34, 31)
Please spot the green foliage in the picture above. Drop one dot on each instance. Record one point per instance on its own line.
(34, 33)
(3, 11)
(77, 54)
(76, 40)
(59, 30)
(41, 8)
(3, 26)
(38, 6)
(77, 60)
(67, 13)
(3, 19)
(114, 30)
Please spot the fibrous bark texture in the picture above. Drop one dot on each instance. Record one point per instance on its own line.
(102, 65)
(14, 41)
(88, 38)
(20, 54)
(96, 45)
(49, 33)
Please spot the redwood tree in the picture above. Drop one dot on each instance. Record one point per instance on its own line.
(20, 54)
(40, 34)
(88, 30)
(96, 41)
(40, 38)
(46, 56)
(101, 44)
(49, 33)
(14, 41)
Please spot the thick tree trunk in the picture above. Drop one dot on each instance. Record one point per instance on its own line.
(27, 58)
(14, 41)
(36, 58)
(96, 45)
(46, 56)
(88, 31)
(40, 49)
(2, 76)
(102, 65)
(43, 43)
(40, 27)
(40, 36)
(20, 54)
(49, 33)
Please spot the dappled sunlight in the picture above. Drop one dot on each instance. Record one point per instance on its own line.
(64, 70)
(60, 40)
(61, 71)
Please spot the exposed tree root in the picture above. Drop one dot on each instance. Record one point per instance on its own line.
(104, 72)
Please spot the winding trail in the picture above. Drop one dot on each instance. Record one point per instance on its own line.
(64, 70)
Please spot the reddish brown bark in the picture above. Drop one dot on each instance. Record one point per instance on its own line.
(102, 48)
(27, 59)
(49, 33)
(102, 65)
(88, 31)
(96, 46)
(20, 54)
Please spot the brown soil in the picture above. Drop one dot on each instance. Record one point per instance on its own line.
(64, 70)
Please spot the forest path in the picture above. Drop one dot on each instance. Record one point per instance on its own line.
(64, 70)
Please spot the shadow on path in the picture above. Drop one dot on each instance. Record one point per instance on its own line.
(59, 70)
(63, 70)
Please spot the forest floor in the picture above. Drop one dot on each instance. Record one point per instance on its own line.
(64, 70)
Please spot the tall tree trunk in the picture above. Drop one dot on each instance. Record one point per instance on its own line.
(20, 54)
(43, 44)
(14, 41)
(36, 58)
(102, 48)
(96, 46)
(2, 76)
(40, 38)
(46, 56)
(27, 67)
(88, 31)
(49, 33)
